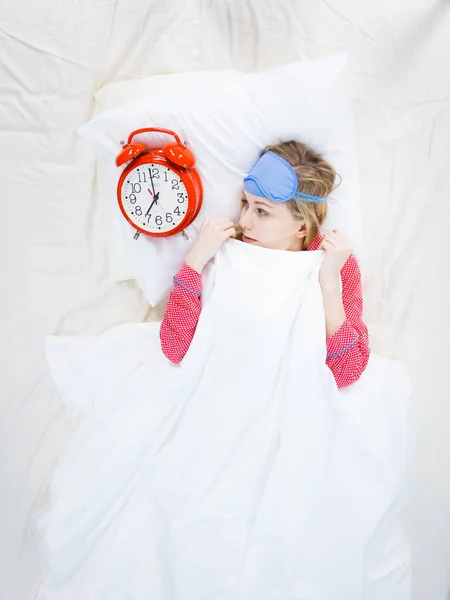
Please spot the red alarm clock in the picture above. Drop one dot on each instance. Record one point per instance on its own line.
(159, 192)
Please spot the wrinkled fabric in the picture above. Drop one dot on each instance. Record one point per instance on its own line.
(56, 237)
(244, 473)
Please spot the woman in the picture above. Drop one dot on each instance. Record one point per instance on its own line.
(292, 223)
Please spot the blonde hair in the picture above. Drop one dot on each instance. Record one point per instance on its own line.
(315, 177)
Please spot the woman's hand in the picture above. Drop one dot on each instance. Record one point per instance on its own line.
(337, 251)
(212, 235)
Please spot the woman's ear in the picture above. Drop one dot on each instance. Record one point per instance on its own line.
(301, 233)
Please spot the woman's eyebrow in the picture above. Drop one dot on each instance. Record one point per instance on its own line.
(262, 204)
(256, 201)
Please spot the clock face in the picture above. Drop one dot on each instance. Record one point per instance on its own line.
(154, 198)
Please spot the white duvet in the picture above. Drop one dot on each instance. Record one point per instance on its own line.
(244, 474)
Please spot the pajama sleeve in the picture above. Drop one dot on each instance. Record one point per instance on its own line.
(348, 349)
(182, 313)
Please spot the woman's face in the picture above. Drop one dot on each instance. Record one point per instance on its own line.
(270, 224)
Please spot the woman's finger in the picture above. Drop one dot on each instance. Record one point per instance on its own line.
(326, 245)
(230, 231)
(329, 240)
(228, 224)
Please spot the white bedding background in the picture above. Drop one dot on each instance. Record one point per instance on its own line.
(54, 56)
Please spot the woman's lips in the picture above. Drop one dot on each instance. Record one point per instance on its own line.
(247, 240)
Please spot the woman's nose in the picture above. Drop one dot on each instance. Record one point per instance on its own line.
(244, 220)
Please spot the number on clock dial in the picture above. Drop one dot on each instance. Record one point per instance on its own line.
(138, 191)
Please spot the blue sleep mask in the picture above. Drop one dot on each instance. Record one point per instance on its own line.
(274, 178)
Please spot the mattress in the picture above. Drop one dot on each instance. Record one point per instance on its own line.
(56, 55)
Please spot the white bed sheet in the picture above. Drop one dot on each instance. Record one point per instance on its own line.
(54, 56)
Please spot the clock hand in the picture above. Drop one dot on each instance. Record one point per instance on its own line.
(155, 200)
(166, 213)
(151, 180)
(159, 204)
(147, 214)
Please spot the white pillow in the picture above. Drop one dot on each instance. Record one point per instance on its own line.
(227, 118)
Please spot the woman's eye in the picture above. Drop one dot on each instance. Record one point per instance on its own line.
(261, 212)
